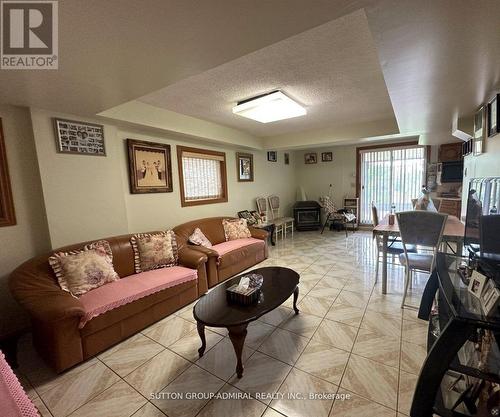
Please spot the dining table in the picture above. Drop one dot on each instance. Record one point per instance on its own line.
(454, 231)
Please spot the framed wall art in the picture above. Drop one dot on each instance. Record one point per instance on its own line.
(7, 214)
(286, 157)
(326, 156)
(150, 167)
(244, 165)
(311, 158)
(479, 131)
(272, 156)
(467, 147)
(493, 117)
(79, 137)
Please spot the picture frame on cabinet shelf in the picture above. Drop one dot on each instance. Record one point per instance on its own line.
(490, 298)
(477, 283)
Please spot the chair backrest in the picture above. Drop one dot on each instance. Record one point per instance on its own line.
(274, 206)
(327, 204)
(374, 215)
(437, 203)
(424, 228)
(261, 205)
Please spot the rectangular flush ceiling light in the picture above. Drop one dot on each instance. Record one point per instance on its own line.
(269, 108)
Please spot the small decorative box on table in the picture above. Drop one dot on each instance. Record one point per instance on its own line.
(247, 291)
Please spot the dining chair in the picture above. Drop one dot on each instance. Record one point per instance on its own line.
(423, 229)
(394, 245)
(261, 204)
(282, 223)
(328, 206)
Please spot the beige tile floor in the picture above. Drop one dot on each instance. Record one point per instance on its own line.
(348, 339)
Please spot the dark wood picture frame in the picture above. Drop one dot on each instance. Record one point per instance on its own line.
(310, 158)
(89, 129)
(493, 116)
(154, 185)
(224, 198)
(326, 156)
(240, 159)
(7, 212)
(272, 156)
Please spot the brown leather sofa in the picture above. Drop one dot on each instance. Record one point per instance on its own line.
(222, 267)
(55, 314)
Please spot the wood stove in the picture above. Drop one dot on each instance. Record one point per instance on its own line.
(307, 215)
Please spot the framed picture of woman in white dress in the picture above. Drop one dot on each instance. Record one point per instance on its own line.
(150, 167)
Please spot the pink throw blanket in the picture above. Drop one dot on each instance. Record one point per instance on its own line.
(13, 400)
(229, 246)
(132, 288)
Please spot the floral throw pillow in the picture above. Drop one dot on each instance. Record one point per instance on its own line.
(154, 250)
(235, 229)
(80, 271)
(199, 239)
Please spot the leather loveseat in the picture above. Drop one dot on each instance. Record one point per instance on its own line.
(225, 259)
(64, 333)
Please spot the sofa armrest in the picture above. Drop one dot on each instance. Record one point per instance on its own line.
(34, 287)
(194, 259)
(258, 233)
(191, 258)
(210, 253)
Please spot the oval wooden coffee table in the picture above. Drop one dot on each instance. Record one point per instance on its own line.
(214, 310)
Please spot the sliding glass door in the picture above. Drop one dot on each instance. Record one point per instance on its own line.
(390, 176)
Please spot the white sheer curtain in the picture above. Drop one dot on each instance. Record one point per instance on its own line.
(390, 176)
(202, 176)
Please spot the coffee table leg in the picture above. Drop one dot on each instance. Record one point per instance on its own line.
(201, 332)
(295, 297)
(237, 335)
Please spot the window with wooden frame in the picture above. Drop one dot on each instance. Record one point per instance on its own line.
(202, 176)
(7, 215)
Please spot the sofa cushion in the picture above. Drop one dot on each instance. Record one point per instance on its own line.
(199, 239)
(235, 229)
(132, 288)
(235, 250)
(79, 271)
(154, 250)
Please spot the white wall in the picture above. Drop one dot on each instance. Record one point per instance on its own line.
(88, 197)
(83, 194)
(29, 236)
(341, 173)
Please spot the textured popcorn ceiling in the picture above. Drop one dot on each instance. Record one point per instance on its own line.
(333, 70)
(347, 61)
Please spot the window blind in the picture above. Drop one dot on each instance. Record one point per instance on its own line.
(390, 176)
(202, 176)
